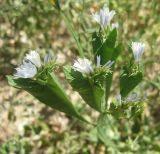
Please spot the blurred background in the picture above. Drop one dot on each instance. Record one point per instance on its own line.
(26, 125)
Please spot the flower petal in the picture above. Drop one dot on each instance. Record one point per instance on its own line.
(26, 70)
(34, 58)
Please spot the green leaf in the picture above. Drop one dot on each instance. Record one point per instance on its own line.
(107, 130)
(96, 42)
(129, 82)
(92, 94)
(117, 50)
(50, 93)
(115, 55)
(108, 47)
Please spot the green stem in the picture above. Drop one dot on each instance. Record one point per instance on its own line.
(74, 35)
(104, 105)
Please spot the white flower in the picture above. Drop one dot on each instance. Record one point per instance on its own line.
(103, 17)
(115, 25)
(30, 65)
(108, 64)
(83, 66)
(34, 58)
(26, 70)
(132, 98)
(98, 61)
(119, 99)
(138, 49)
(48, 57)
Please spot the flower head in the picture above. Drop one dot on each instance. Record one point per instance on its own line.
(132, 98)
(26, 70)
(31, 64)
(29, 67)
(138, 49)
(103, 17)
(83, 66)
(34, 58)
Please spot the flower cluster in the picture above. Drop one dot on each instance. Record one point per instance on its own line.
(31, 64)
(92, 80)
(104, 16)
